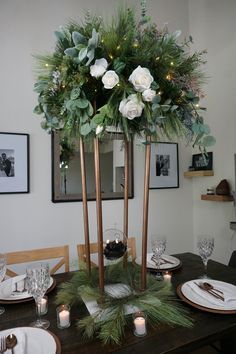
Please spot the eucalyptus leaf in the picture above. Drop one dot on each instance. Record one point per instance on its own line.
(78, 38)
(90, 109)
(93, 124)
(206, 129)
(40, 86)
(44, 124)
(154, 85)
(82, 54)
(165, 107)
(207, 141)
(71, 52)
(198, 138)
(75, 93)
(155, 107)
(90, 56)
(83, 116)
(82, 103)
(38, 109)
(174, 107)
(167, 102)
(93, 41)
(59, 35)
(54, 120)
(197, 128)
(85, 129)
(156, 99)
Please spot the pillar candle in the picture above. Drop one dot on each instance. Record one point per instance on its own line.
(167, 277)
(140, 325)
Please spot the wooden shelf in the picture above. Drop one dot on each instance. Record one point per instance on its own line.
(190, 174)
(217, 198)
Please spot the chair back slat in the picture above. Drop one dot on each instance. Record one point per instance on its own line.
(28, 256)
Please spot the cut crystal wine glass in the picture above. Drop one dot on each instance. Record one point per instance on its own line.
(158, 243)
(205, 245)
(3, 267)
(37, 283)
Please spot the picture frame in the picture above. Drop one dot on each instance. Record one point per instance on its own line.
(202, 161)
(164, 165)
(14, 163)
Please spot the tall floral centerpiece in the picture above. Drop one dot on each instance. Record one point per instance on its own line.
(143, 81)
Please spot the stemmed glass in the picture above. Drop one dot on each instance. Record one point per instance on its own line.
(37, 282)
(3, 267)
(205, 245)
(158, 243)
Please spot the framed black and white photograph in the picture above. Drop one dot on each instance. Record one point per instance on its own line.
(164, 166)
(202, 161)
(14, 163)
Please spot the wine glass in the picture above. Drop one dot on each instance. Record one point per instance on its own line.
(205, 245)
(3, 268)
(37, 282)
(158, 243)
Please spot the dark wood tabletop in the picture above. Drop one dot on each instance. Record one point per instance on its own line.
(208, 327)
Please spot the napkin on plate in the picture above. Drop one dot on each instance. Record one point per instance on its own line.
(229, 293)
(6, 288)
(20, 347)
(8, 285)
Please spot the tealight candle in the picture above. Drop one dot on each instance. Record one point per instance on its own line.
(140, 324)
(63, 316)
(167, 277)
(43, 305)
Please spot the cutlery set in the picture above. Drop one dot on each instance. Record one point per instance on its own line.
(8, 342)
(218, 294)
(163, 261)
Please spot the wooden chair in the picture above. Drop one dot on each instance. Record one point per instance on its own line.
(28, 256)
(94, 249)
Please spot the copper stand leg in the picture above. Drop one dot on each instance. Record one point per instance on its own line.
(85, 206)
(126, 196)
(99, 215)
(145, 217)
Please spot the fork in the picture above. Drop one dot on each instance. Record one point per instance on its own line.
(3, 345)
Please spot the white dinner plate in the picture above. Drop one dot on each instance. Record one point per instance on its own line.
(33, 340)
(7, 287)
(202, 298)
(168, 262)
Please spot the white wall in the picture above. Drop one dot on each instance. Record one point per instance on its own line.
(32, 220)
(213, 26)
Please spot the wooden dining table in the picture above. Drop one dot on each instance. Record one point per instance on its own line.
(208, 327)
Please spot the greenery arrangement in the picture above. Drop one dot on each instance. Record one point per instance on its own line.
(128, 74)
(157, 301)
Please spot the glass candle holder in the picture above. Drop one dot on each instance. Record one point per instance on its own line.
(167, 277)
(140, 329)
(63, 316)
(42, 306)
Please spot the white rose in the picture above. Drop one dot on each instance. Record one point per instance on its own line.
(131, 107)
(99, 67)
(110, 79)
(148, 95)
(99, 129)
(141, 79)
